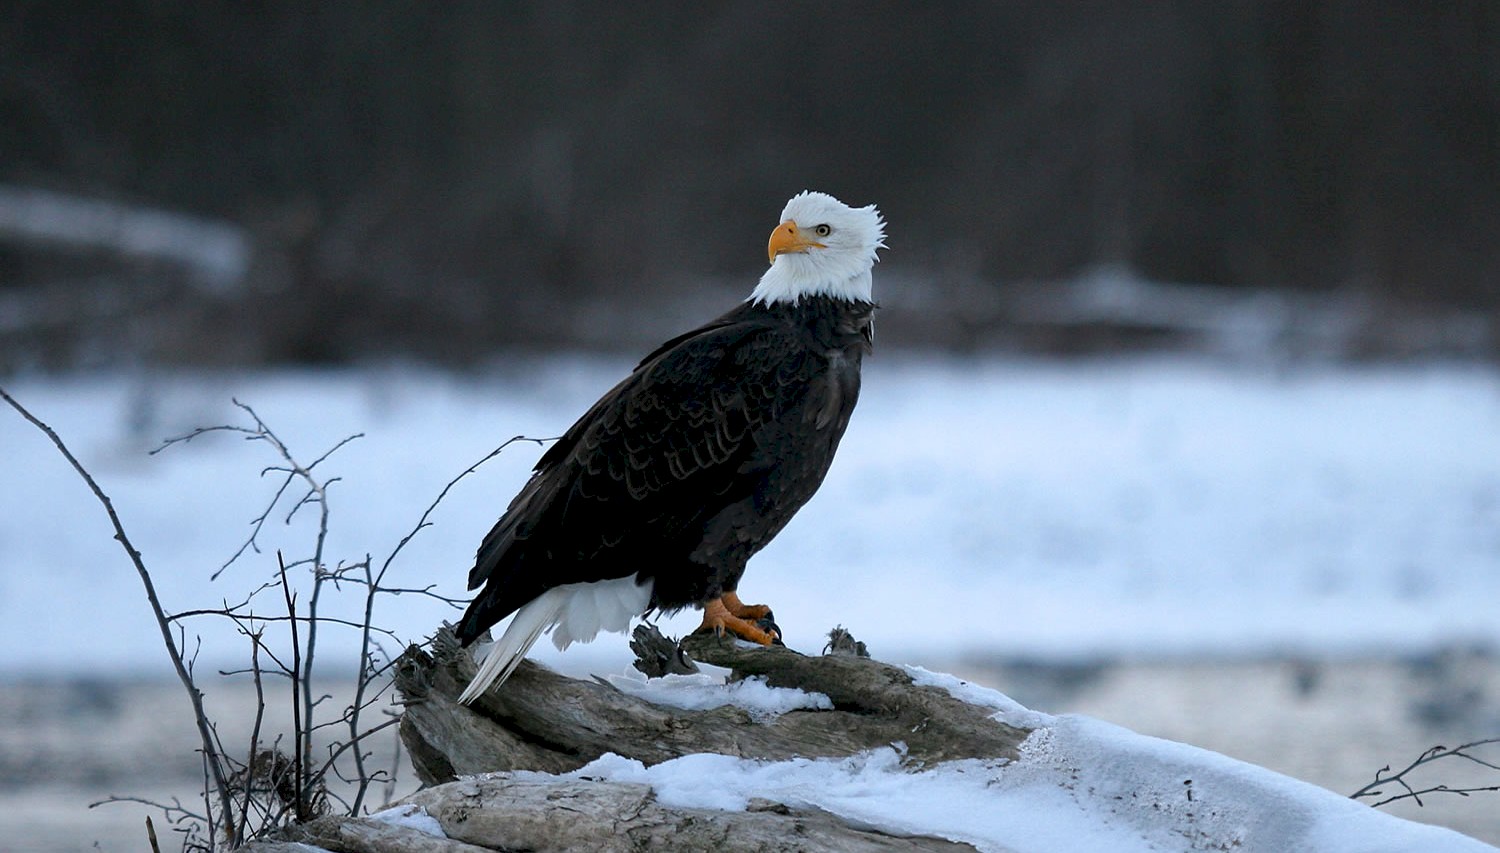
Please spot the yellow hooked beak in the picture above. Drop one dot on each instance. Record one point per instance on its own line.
(789, 238)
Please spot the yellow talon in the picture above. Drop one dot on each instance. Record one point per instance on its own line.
(717, 618)
(733, 604)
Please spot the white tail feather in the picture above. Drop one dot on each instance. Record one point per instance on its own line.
(526, 626)
(595, 607)
(575, 613)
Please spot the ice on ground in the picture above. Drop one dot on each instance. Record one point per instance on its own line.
(702, 691)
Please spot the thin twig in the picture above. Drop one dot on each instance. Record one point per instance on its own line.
(260, 713)
(225, 607)
(297, 719)
(427, 591)
(338, 749)
(195, 696)
(304, 620)
(423, 522)
(175, 807)
(1464, 751)
(371, 590)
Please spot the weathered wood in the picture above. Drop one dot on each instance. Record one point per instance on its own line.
(539, 720)
(657, 655)
(353, 835)
(933, 725)
(507, 813)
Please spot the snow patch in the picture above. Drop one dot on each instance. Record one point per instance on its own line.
(412, 817)
(701, 691)
(1007, 710)
(1079, 786)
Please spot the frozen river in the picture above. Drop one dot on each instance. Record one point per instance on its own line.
(1058, 511)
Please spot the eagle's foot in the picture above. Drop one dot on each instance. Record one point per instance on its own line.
(752, 612)
(718, 619)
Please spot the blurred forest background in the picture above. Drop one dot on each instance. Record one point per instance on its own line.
(250, 183)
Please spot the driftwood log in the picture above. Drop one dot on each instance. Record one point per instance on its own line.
(541, 721)
(502, 813)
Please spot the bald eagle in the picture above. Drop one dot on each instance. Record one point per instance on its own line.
(658, 496)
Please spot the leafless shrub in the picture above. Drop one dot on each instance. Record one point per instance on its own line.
(287, 777)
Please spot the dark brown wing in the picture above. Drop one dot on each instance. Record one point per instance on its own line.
(637, 478)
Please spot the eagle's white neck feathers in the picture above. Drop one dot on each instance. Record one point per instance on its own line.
(840, 268)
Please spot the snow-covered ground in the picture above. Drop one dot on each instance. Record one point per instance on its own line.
(1141, 507)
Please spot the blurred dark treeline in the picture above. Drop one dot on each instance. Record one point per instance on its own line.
(441, 180)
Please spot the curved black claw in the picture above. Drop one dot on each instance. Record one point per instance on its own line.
(768, 624)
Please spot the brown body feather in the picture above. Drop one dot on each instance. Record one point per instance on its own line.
(687, 467)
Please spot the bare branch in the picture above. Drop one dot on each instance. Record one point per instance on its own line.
(173, 808)
(427, 591)
(332, 450)
(423, 522)
(371, 590)
(189, 436)
(317, 491)
(298, 721)
(305, 620)
(260, 713)
(195, 696)
(256, 524)
(1465, 751)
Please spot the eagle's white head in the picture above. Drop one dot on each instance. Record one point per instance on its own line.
(822, 247)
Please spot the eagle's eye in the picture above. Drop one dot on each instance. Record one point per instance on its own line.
(823, 230)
